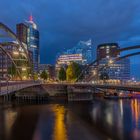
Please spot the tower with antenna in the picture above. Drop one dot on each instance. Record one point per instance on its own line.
(28, 33)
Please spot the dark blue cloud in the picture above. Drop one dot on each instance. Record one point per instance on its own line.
(62, 23)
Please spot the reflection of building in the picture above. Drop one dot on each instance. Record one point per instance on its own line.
(49, 68)
(119, 70)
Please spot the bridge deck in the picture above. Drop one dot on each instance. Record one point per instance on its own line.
(10, 88)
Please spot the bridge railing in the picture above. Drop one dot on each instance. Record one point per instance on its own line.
(9, 87)
(135, 84)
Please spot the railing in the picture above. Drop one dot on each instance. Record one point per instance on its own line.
(135, 84)
(7, 87)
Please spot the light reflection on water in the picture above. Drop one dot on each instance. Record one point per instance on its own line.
(60, 132)
(10, 117)
(119, 119)
(135, 111)
(51, 123)
(113, 119)
(135, 107)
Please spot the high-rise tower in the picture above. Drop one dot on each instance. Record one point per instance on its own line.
(33, 41)
(22, 31)
(28, 34)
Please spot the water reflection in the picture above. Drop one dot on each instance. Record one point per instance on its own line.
(51, 123)
(60, 132)
(7, 119)
(108, 115)
(113, 119)
(135, 111)
(135, 107)
(10, 117)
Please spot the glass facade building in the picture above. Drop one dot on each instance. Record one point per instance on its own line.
(84, 49)
(22, 31)
(33, 42)
(28, 33)
(118, 70)
(107, 50)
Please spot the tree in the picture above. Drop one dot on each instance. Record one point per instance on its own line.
(35, 76)
(44, 75)
(73, 71)
(77, 69)
(70, 72)
(62, 74)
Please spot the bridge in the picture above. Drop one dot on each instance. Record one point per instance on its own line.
(125, 87)
(84, 91)
(7, 88)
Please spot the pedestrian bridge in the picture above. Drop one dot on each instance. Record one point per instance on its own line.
(10, 87)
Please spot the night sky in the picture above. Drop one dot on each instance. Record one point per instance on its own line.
(63, 23)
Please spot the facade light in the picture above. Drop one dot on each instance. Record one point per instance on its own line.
(110, 61)
(24, 69)
(15, 53)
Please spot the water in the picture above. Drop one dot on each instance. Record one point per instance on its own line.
(99, 120)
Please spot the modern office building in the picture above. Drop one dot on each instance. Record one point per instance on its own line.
(6, 64)
(28, 33)
(66, 59)
(22, 32)
(117, 70)
(107, 50)
(84, 48)
(33, 42)
(81, 53)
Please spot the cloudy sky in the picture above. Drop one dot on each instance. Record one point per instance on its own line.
(62, 23)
